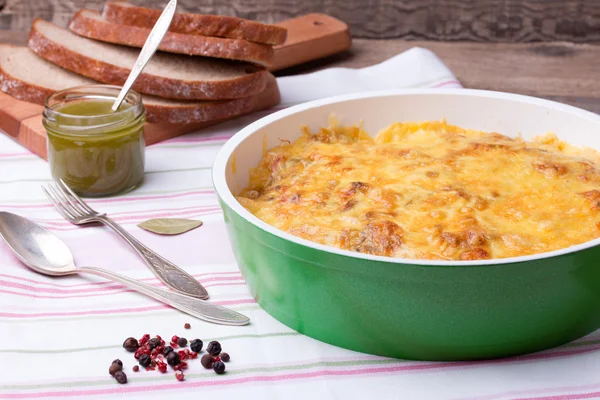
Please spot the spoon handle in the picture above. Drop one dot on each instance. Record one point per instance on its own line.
(198, 308)
(169, 273)
(152, 42)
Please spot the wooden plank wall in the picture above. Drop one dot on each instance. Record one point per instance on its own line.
(442, 20)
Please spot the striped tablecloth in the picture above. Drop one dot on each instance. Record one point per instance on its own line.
(58, 336)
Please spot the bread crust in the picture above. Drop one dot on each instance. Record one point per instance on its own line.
(21, 90)
(192, 112)
(196, 24)
(193, 45)
(158, 110)
(246, 85)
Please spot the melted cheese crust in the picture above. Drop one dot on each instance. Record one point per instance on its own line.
(429, 191)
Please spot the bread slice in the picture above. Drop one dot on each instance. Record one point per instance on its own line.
(121, 12)
(166, 75)
(28, 77)
(92, 25)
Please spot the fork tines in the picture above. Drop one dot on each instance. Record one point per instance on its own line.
(66, 202)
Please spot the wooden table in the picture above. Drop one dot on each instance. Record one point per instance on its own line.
(565, 72)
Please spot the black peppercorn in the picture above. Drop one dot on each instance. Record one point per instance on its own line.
(207, 361)
(121, 377)
(117, 361)
(225, 357)
(145, 360)
(167, 350)
(182, 342)
(114, 368)
(196, 345)
(214, 348)
(173, 358)
(153, 343)
(131, 344)
(219, 367)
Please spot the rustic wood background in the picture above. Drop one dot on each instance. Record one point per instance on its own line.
(443, 20)
(465, 34)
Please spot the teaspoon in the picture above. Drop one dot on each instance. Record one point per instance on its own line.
(46, 254)
(150, 46)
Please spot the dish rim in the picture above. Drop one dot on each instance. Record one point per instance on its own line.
(219, 174)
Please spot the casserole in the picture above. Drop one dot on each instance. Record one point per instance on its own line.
(406, 308)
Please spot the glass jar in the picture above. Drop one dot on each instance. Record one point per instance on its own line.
(95, 151)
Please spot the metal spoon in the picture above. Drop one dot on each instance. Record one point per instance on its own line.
(45, 253)
(152, 42)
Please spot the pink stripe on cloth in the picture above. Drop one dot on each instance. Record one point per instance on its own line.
(124, 290)
(135, 214)
(103, 289)
(39, 296)
(258, 378)
(113, 311)
(66, 226)
(110, 282)
(214, 382)
(574, 396)
(118, 200)
(513, 394)
(35, 289)
(15, 154)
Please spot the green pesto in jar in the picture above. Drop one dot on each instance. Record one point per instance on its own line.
(95, 151)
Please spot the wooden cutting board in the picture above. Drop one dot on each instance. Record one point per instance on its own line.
(310, 37)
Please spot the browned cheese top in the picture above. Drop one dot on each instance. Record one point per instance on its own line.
(429, 191)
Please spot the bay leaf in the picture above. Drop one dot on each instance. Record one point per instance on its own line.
(170, 226)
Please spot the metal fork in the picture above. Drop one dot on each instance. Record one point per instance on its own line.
(77, 212)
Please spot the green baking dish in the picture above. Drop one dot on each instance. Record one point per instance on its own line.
(421, 310)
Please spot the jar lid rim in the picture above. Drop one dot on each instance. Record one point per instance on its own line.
(94, 91)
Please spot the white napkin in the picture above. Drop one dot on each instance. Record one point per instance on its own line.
(416, 67)
(59, 336)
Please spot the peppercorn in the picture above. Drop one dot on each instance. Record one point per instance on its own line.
(136, 368)
(167, 350)
(131, 344)
(182, 342)
(207, 361)
(144, 339)
(153, 343)
(117, 361)
(187, 326)
(162, 367)
(219, 367)
(179, 375)
(121, 377)
(225, 357)
(145, 360)
(196, 345)
(173, 358)
(214, 348)
(114, 367)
